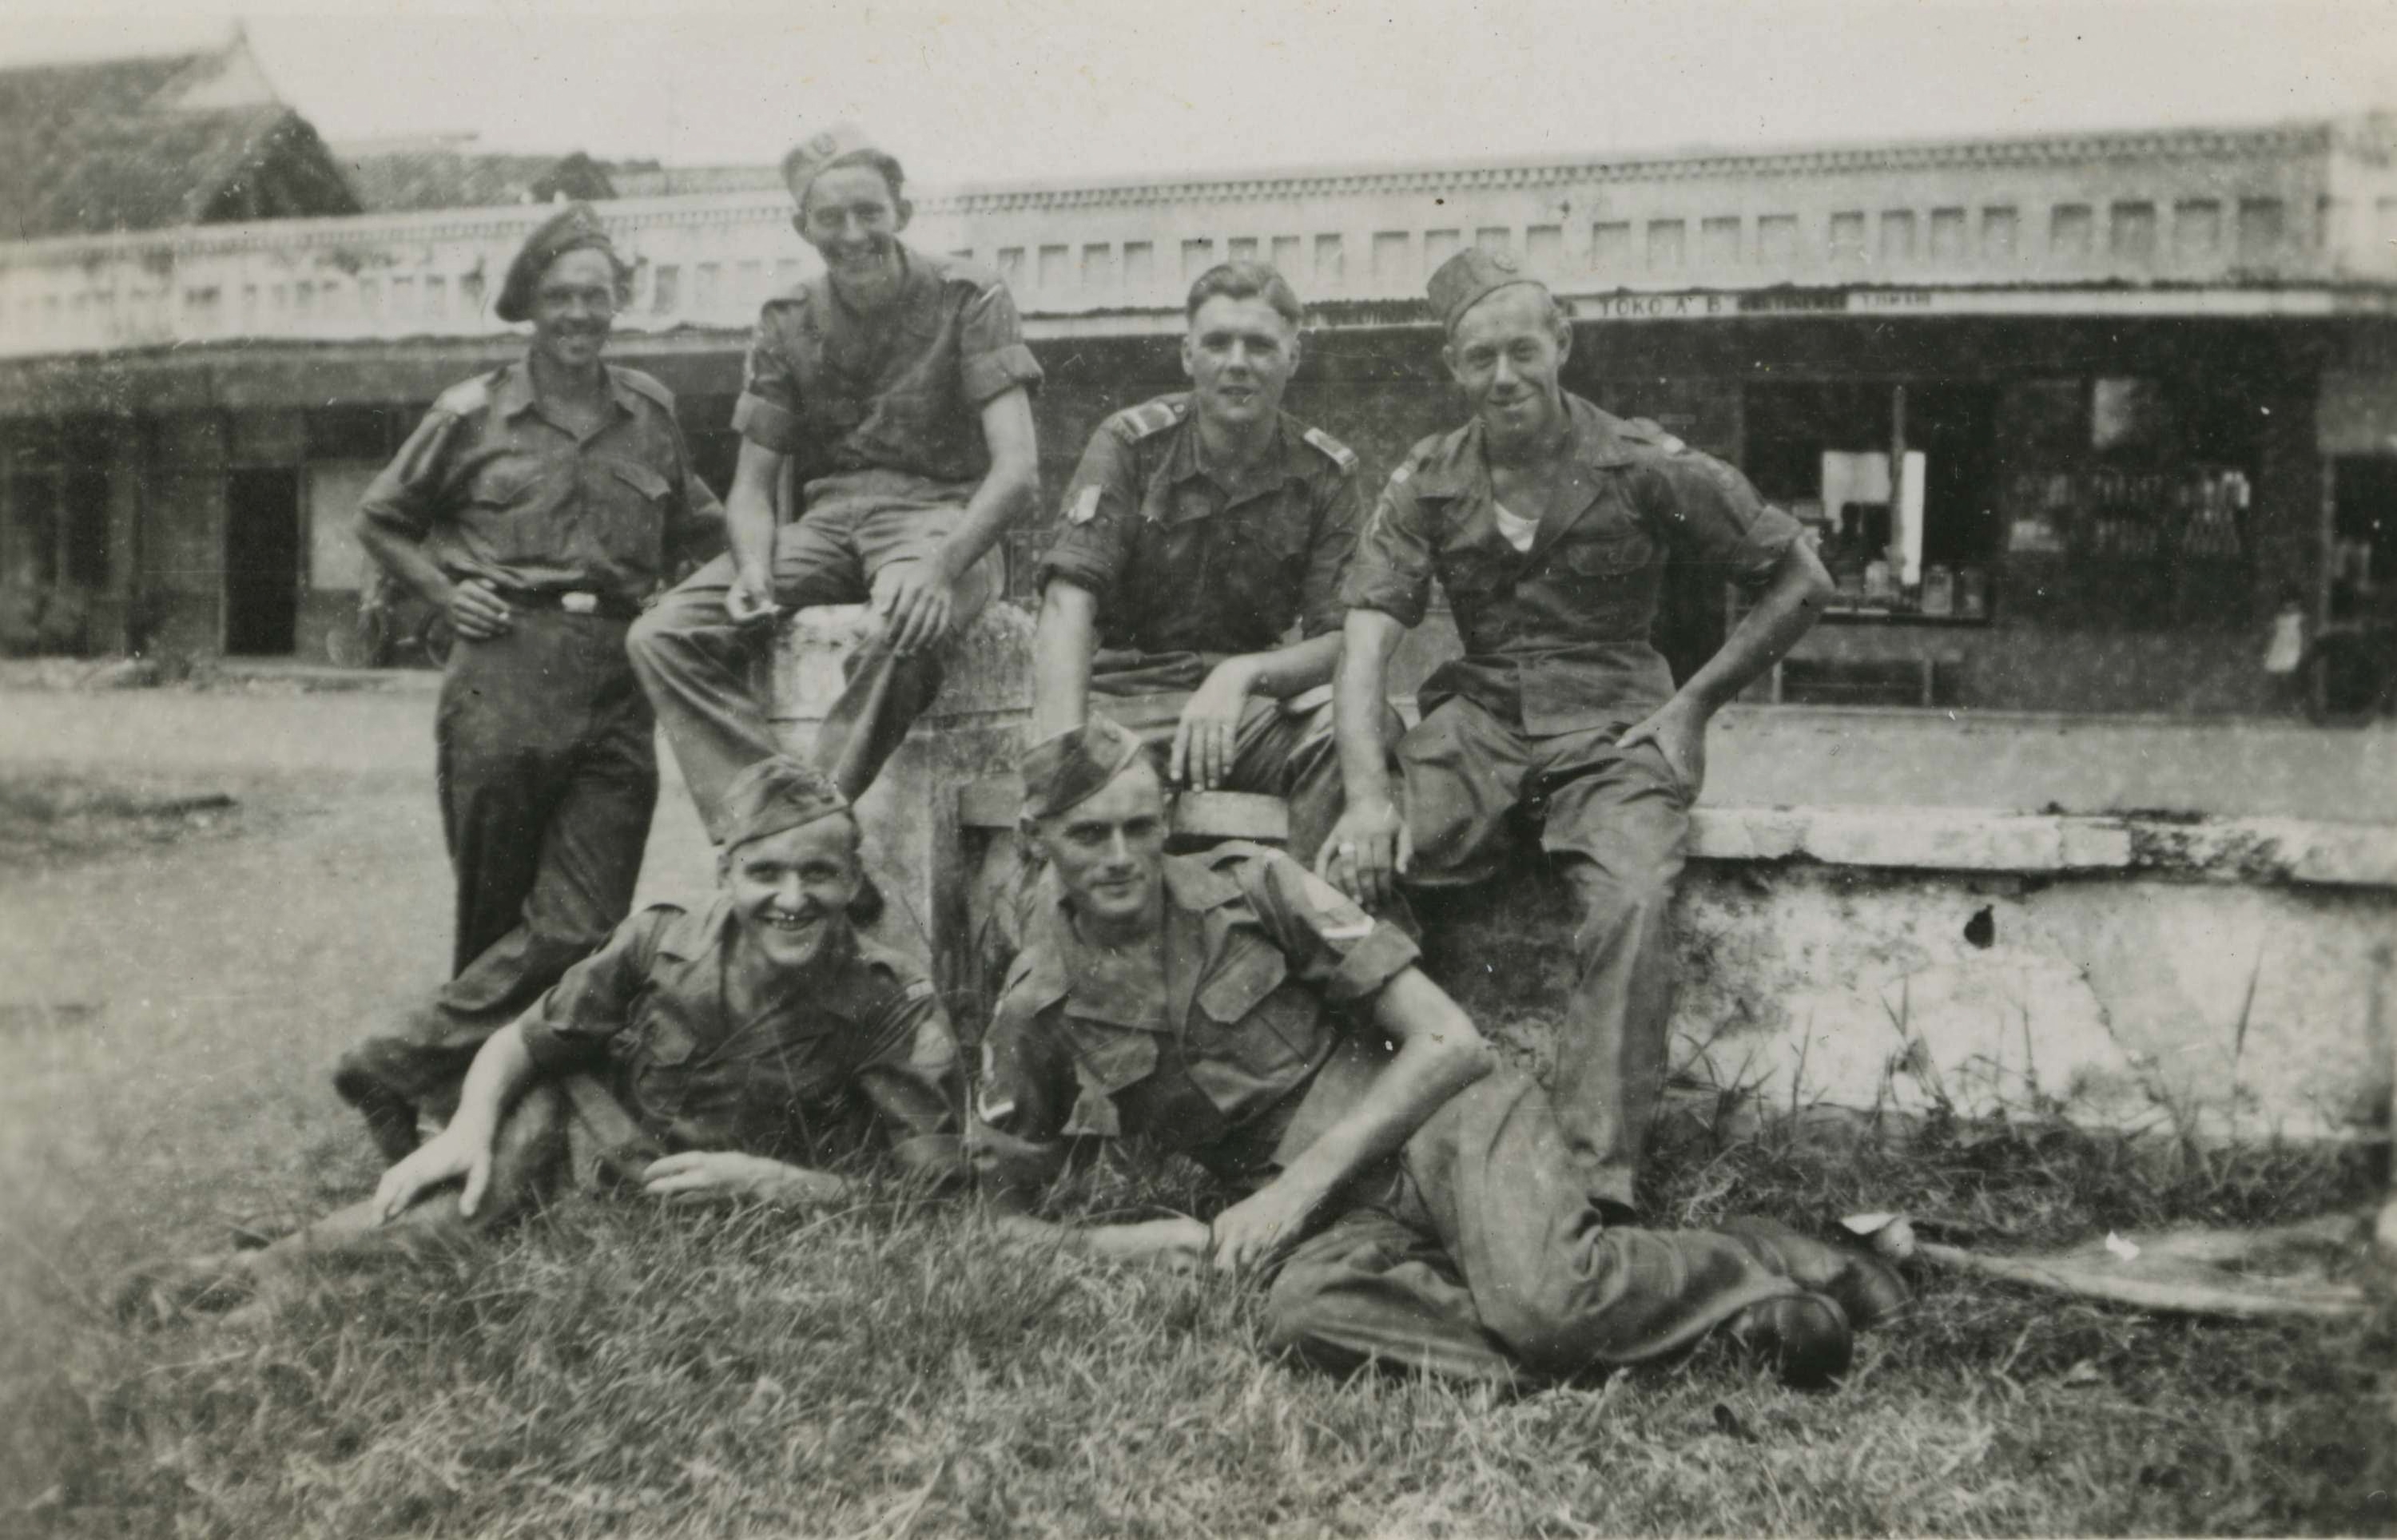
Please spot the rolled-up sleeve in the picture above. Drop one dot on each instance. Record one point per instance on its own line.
(1095, 524)
(912, 1079)
(768, 413)
(1392, 567)
(1716, 517)
(404, 494)
(570, 1027)
(1330, 941)
(992, 357)
(1339, 514)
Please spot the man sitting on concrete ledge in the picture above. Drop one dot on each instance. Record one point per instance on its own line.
(900, 384)
(1200, 527)
(1549, 524)
(1414, 1207)
(760, 1049)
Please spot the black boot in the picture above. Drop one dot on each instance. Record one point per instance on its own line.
(1804, 1336)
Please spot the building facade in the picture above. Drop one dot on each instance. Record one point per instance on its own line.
(2075, 418)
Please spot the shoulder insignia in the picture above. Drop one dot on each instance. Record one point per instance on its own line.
(1085, 506)
(1152, 417)
(919, 989)
(1656, 433)
(466, 397)
(1340, 454)
(648, 385)
(1339, 917)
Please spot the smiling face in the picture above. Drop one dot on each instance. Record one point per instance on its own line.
(1239, 355)
(1109, 851)
(573, 307)
(1505, 353)
(851, 217)
(791, 891)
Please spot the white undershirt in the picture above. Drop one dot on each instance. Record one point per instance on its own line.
(1518, 530)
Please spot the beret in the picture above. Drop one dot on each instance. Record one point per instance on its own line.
(775, 794)
(813, 155)
(573, 228)
(1465, 279)
(1073, 767)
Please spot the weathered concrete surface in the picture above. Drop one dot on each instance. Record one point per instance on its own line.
(973, 729)
(2221, 970)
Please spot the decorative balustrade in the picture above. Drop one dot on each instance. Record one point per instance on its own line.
(2066, 223)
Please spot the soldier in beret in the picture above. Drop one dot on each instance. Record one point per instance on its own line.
(895, 386)
(1549, 524)
(764, 1048)
(1200, 530)
(1412, 1205)
(538, 506)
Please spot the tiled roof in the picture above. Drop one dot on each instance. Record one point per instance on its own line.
(109, 146)
(451, 176)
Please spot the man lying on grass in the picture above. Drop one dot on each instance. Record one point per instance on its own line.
(1413, 1205)
(750, 1050)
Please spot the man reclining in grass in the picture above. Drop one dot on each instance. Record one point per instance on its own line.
(1413, 1205)
(752, 1050)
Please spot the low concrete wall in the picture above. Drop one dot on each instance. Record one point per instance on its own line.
(2209, 974)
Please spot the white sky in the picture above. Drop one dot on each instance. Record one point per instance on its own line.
(999, 89)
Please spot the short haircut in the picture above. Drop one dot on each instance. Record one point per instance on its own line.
(887, 164)
(1247, 280)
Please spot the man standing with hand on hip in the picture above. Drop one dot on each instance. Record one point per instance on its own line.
(898, 387)
(1549, 524)
(537, 506)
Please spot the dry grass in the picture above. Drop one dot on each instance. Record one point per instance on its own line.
(616, 1369)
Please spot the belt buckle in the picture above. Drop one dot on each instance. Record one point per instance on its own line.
(579, 603)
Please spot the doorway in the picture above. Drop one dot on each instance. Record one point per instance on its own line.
(262, 568)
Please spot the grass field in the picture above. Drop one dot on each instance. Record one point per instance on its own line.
(616, 1370)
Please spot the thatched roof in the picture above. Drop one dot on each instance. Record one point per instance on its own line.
(148, 143)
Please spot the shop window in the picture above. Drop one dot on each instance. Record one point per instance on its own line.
(1719, 240)
(2259, 229)
(1665, 241)
(1331, 260)
(2130, 231)
(1897, 235)
(1609, 245)
(1099, 266)
(1847, 241)
(57, 499)
(1946, 234)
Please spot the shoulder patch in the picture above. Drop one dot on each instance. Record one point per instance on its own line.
(466, 397)
(1085, 506)
(633, 379)
(1152, 417)
(1339, 453)
(1656, 433)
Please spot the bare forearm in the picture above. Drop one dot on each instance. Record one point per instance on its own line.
(1062, 644)
(1358, 695)
(995, 504)
(749, 507)
(1286, 671)
(502, 1069)
(404, 560)
(1440, 1053)
(1792, 602)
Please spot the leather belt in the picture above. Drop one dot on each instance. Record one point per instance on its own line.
(573, 602)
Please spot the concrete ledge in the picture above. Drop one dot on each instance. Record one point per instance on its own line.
(990, 804)
(2227, 850)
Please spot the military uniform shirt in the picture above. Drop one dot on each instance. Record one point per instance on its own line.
(902, 389)
(1556, 637)
(1184, 563)
(498, 489)
(1260, 957)
(815, 1080)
